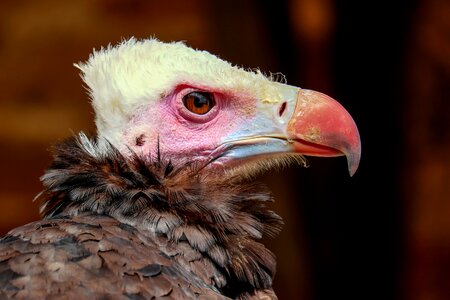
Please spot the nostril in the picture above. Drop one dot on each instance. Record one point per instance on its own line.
(282, 108)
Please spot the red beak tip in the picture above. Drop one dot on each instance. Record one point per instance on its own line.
(323, 127)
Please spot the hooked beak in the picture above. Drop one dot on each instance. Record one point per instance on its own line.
(320, 126)
(297, 121)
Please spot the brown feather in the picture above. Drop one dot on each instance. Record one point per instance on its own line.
(136, 228)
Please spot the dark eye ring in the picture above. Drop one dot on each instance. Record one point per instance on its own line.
(199, 103)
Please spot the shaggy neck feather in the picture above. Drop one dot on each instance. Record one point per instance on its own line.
(219, 219)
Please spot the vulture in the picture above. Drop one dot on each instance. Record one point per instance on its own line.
(160, 202)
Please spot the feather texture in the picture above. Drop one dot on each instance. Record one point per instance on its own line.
(130, 227)
(124, 77)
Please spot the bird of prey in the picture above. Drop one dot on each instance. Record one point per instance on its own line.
(160, 203)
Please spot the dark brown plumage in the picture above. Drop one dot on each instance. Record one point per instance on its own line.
(130, 229)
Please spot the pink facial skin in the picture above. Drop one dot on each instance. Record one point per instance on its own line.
(183, 134)
(236, 129)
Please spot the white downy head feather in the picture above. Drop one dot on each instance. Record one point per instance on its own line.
(124, 77)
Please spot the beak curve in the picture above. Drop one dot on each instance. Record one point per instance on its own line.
(294, 120)
(320, 126)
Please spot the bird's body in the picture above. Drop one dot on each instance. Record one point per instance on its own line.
(159, 205)
(135, 229)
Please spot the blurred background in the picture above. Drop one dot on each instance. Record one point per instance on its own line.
(383, 234)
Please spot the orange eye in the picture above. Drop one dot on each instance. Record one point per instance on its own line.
(199, 102)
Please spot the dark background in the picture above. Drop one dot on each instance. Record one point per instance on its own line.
(382, 234)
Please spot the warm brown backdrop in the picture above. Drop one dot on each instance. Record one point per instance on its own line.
(383, 234)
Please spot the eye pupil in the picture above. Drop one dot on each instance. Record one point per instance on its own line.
(199, 103)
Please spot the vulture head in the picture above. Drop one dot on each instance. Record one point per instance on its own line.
(154, 205)
(153, 98)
